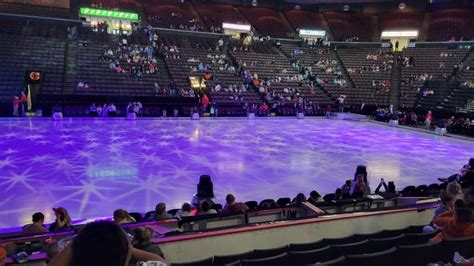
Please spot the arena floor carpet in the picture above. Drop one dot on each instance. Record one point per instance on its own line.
(92, 166)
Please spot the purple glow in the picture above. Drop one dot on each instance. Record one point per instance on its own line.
(92, 167)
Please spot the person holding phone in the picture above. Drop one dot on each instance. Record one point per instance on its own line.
(62, 222)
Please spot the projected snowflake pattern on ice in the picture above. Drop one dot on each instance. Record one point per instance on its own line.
(93, 166)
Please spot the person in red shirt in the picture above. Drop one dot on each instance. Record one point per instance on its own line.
(232, 207)
(204, 102)
(16, 105)
(455, 224)
(428, 119)
(23, 103)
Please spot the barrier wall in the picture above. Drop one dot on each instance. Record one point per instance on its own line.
(270, 235)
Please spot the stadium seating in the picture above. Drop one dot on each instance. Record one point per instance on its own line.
(35, 47)
(428, 60)
(215, 14)
(344, 26)
(268, 22)
(448, 23)
(301, 19)
(364, 91)
(400, 20)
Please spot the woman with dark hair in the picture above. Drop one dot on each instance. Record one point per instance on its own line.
(141, 240)
(99, 244)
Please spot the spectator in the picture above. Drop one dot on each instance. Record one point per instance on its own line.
(3, 256)
(455, 226)
(205, 208)
(141, 241)
(428, 119)
(454, 189)
(99, 244)
(298, 200)
(315, 197)
(16, 105)
(447, 204)
(62, 222)
(232, 207)
(346, 189)
(157, 89)
(186, 210)
(390, 191)
(360, 188)
(160, 213)
(172, 88)
(205, 103)
(122, 217)
(37, 227)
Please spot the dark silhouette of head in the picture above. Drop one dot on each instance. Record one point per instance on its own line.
(38, 217)
(100, 243)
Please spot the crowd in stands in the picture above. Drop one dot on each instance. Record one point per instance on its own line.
(135, 60)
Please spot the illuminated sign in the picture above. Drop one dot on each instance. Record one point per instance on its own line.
(108, 13)
(238, 27)
(312, 32)
(406, 33)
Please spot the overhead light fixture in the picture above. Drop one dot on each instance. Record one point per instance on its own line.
(297, 7)
(402, 6)
(346, 8)
(254, 3)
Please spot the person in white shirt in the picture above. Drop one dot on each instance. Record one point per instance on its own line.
(341, 103)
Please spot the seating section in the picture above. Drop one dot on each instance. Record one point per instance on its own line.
(429, 62)
(344, 26)
(268, 22)
(103, 80)
(301, 19)
(353, 250)
(172, 14)
(401, 20)
(448, 23)
(213, 15)
(308, 56)
(37, 47)
(370, 71)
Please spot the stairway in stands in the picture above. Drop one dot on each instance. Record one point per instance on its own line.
(165, 75)
(395, 82)
(70, 66)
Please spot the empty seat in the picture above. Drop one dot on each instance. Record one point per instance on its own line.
(465, 247)
(225, 259)
(392, 233)
(312, 256)
(342, 240)
(385, 258)
(359, 237)
(353, 248)
(204, 262)
(418, 254)
(335, 262)
(265, 253)
(282, 202)
(251, 204)
(308, 246)
(379, 244)
(419, 238)
(279, 260)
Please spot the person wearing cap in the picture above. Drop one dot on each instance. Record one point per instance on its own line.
(37, 226)
(62, 222)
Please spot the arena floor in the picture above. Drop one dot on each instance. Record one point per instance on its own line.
(92, 167)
